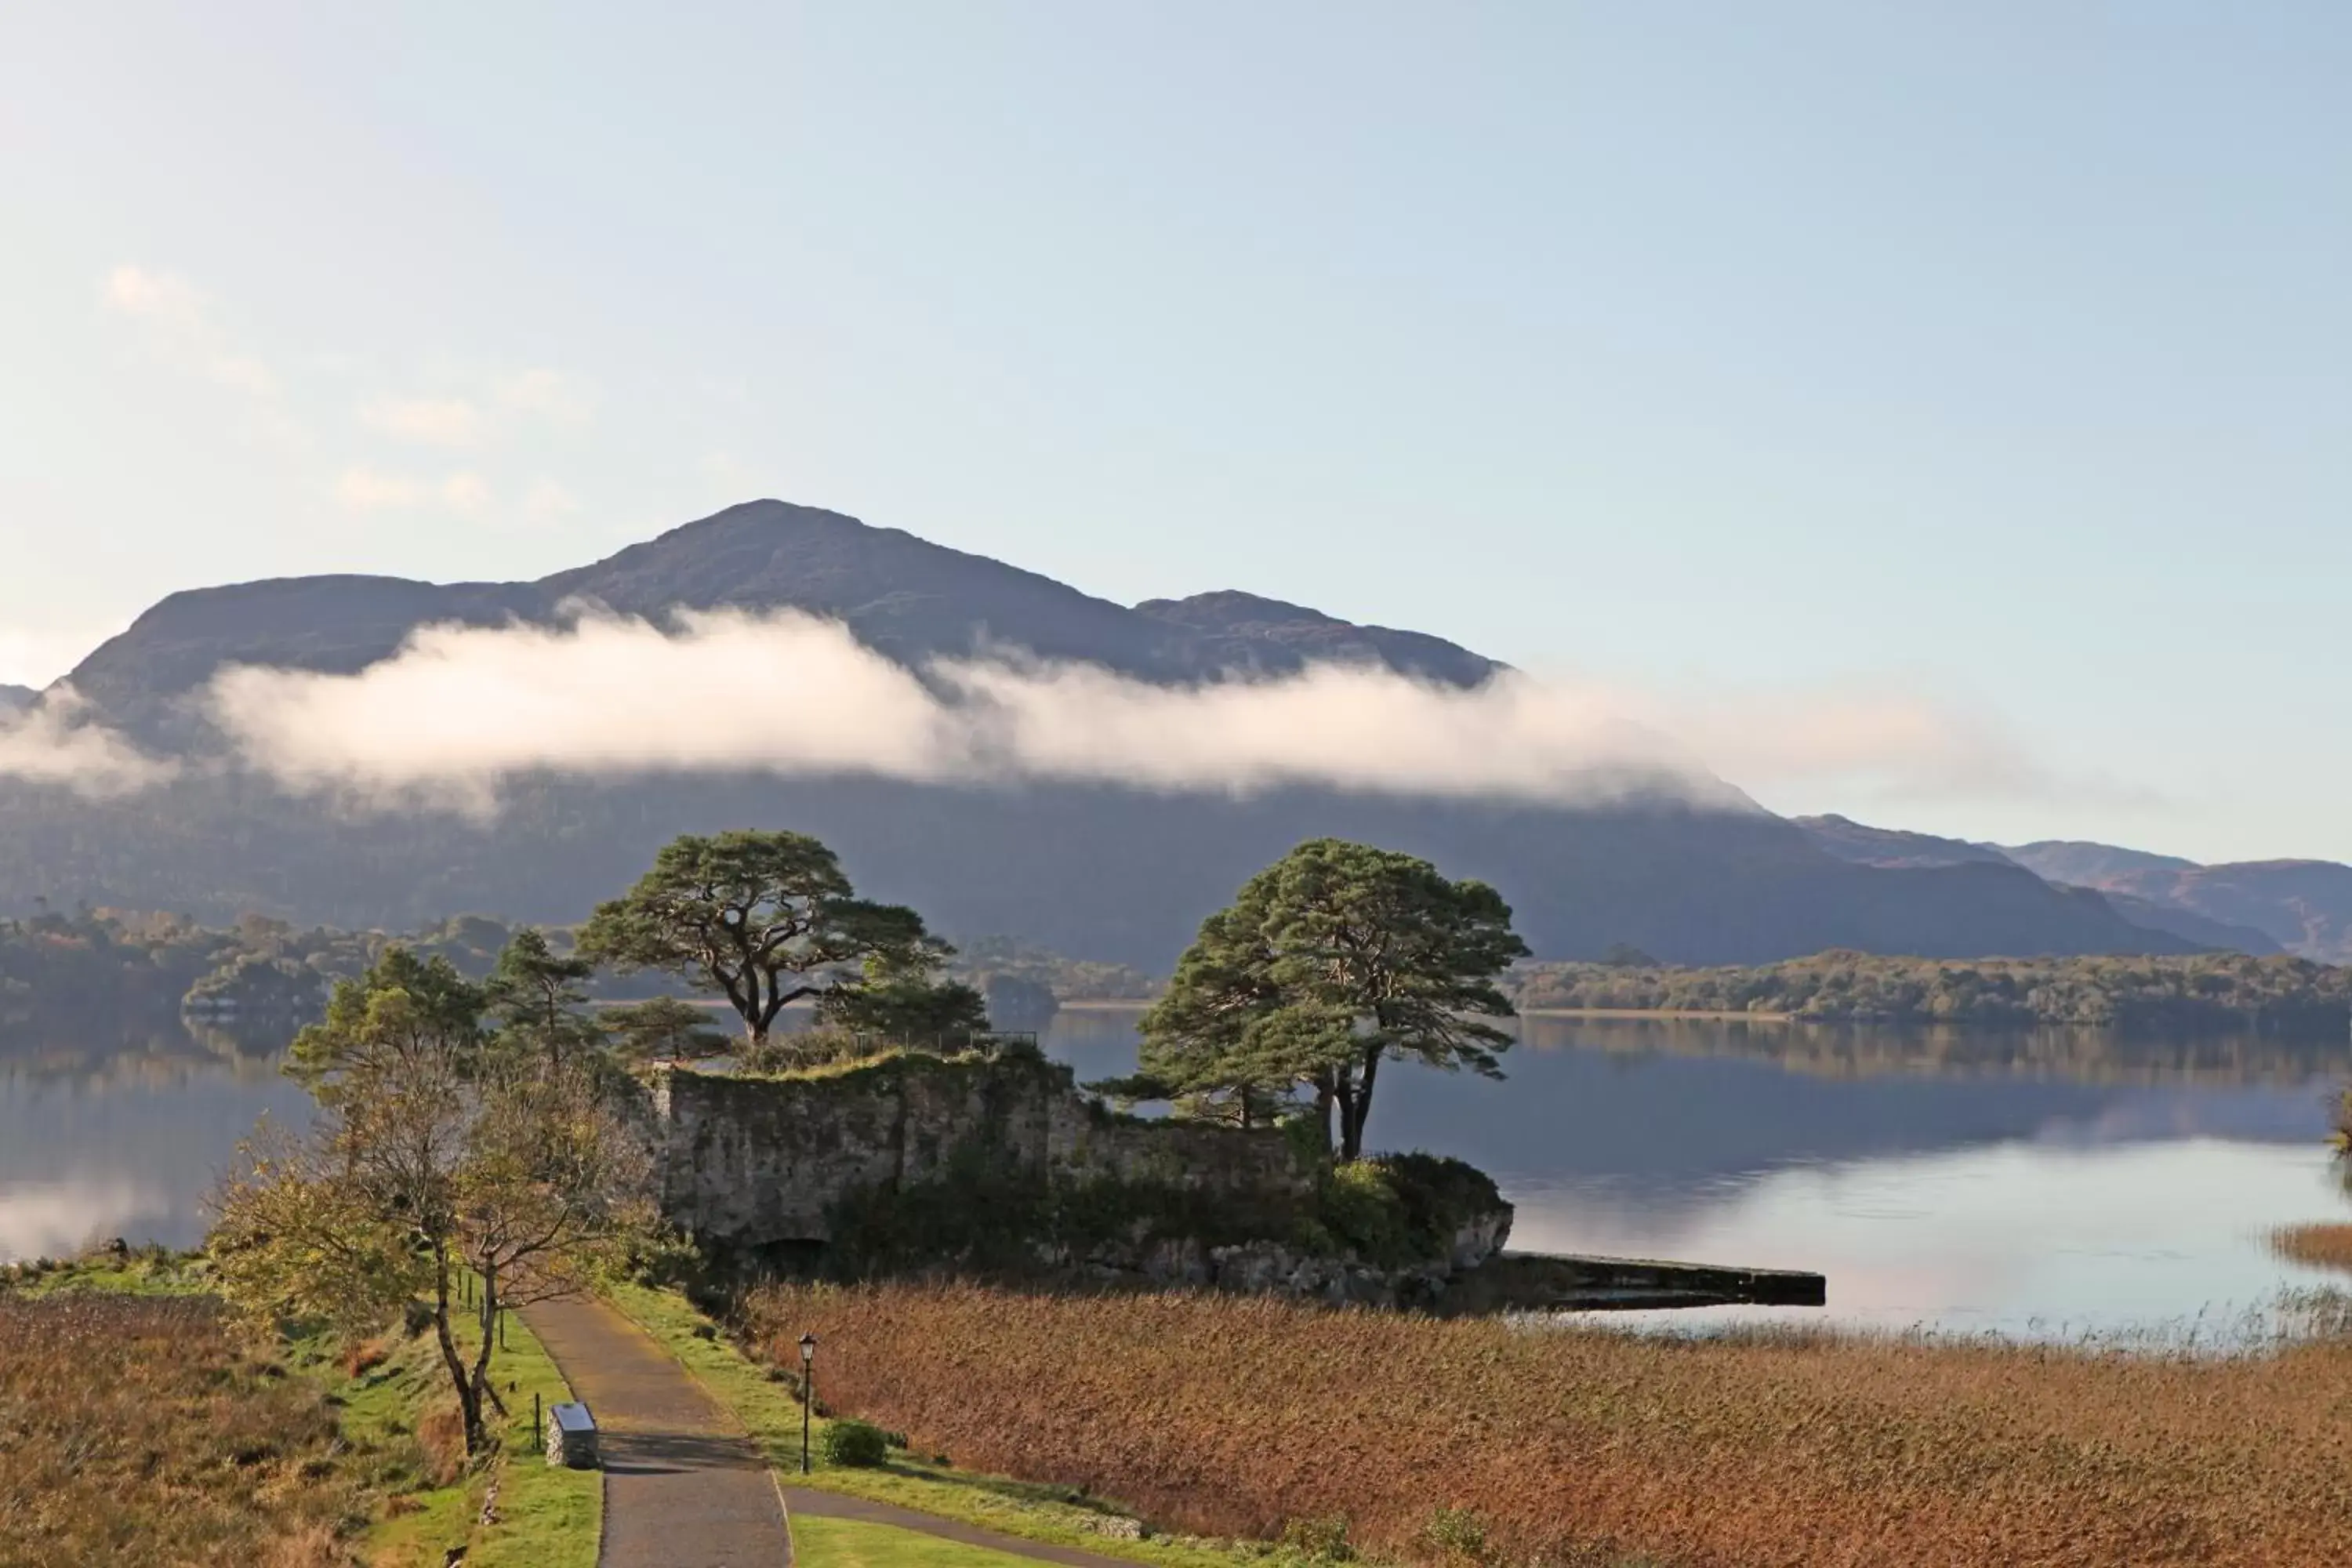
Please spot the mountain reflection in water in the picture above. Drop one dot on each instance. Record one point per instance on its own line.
(2056, 1183)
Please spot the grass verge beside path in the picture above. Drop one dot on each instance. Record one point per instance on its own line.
(543, 1516)
(854, 1544)
(768, 1407)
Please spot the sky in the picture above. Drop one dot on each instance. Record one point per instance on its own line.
(1992, 357)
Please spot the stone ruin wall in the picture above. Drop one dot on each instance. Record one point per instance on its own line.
(752, 1163)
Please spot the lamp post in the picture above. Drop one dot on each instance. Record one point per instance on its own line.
(808, 1386)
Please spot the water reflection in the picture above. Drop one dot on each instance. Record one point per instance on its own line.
(2057, 1183)
(122, 1133)
(2054, 1184)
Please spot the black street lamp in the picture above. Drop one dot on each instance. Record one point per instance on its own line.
(808, 1386)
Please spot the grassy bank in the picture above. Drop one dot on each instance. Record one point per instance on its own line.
(1476, 1441)
(139, 1423)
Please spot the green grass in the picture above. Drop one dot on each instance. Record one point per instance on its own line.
(545, 1516)
(854, 1543)
(770, 1410)
(141, 1271)
(548, 1516)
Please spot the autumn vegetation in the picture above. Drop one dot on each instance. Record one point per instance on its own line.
(147, 1429)
(1581, 1446)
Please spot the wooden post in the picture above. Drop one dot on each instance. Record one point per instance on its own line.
(538, 1440)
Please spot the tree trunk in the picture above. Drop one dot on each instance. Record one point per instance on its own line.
(469, 1399)
(1360, 1111)
(485, 1393)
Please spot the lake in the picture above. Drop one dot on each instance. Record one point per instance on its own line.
(2052, 1185)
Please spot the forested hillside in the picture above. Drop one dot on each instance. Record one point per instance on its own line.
(2204, 992)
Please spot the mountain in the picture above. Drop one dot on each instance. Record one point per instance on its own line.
(16, 696)
(1094, 870)
(1895, 848)
(901, 595)
(2305, 906)
(2089, 865)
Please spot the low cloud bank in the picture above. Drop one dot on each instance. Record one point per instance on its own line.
(460, 708)
(55, 743)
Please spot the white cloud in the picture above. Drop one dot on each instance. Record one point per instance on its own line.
(548, 395)
(547, 504)
(365, 489)
(55, 743)
(426, 421)
(460, 708)
(187, 327)
(466, 494)
(157, 295)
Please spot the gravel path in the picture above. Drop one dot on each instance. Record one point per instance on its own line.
(684, 1488)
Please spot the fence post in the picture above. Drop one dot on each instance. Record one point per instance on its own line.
(538, 1441)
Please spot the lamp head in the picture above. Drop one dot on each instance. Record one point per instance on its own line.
(808, 1349)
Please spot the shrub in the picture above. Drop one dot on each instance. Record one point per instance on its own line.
(364, 1357)
(854, 1445)
(1458, 1536)
(1320, 1540)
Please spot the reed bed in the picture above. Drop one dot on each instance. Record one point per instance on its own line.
(139, 1429)
(2318, 1245)
(1460, 1441)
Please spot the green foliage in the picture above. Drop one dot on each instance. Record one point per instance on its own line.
(2205, 991)
(763, 918)
(434, 1158)
(1402, 1208)
(662, 1029)
(536, 996)
(1333, 960)
(1458, 1536)
(853, 1445)
(901, 998)
(1319, 1539)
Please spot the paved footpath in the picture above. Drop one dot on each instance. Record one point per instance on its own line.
(684, 1488)
(683, 1485)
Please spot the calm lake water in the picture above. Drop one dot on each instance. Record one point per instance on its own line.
(2051, 1185)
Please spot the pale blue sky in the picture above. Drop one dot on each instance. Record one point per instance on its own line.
(1992, 354)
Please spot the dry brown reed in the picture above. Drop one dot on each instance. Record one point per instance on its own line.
(139, 1429)
(1573, 1446)
(2319, 1245)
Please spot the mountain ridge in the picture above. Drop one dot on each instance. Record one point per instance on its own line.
(1101, 871)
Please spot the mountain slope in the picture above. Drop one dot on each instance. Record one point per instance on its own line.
(15, 696)
(1096, 872)
(902, 595)
(2305, 906)
(2089, 865)
(1893, 848)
